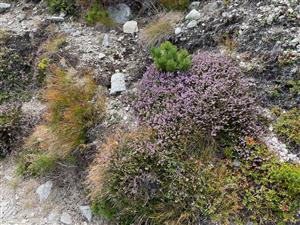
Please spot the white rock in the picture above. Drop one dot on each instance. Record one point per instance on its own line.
(86, 212)
(4, 7)
(117, 83)
(178, 30)
(192, 24)
(130, 27)
(55, 18)
(44, 191)
(194, 5)
(193, 15)
(66, 218)
(52, 217)
(101, 56)
(105, 42)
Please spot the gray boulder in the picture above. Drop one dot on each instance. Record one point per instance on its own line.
(44, 190)
(4, 7)
(120, 13)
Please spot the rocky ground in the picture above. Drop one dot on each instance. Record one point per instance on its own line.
(247, 31)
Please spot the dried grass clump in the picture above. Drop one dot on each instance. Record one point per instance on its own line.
(160, 29)
(74, 105)
(53, 44)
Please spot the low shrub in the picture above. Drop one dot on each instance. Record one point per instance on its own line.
(67, 6)
(74, 105)
(135, 180)
(212, 97)
(160, 29)
(97, 14)
(9, 127)
(288, 126)
(168, 59)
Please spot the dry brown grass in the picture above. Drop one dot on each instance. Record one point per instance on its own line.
(160, 28)
(54, 43)
(74, 104)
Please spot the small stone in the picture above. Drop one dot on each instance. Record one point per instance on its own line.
(55, 19)
(105, 42)
(4, 7)
(66, 218)
(130, 27)
(192, 24)
(178, 30)
(52, 217)
(236, 163)
(120, 13)
(194, 5)
(193, 15)
(117, 83)
(101, 56)
(86, 212)
(44, 190)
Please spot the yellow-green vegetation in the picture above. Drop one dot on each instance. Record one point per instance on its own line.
(43, 64)
(175, 4)
(160, 28)
(74, 105)
(294, 86)
(288, 126)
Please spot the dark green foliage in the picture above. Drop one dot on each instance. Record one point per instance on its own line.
(67, 6)
(168, 59)
(97, 14)
(9, 128)
(15, 67)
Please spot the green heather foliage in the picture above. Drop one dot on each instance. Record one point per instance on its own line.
(96, 14)
(288, 126)
(67, 6)
(168, 59)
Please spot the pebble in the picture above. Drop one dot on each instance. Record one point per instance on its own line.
(192, 24)
(86, 212)
(66, 218)
(193, 15)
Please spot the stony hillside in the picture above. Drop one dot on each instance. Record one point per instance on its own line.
(149, 112)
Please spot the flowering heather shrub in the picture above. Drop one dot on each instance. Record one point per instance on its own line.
(134, 180)
(212, 97)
